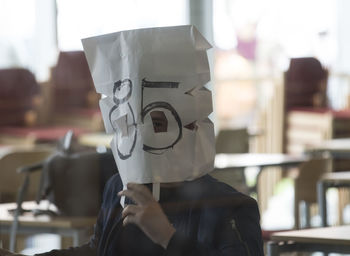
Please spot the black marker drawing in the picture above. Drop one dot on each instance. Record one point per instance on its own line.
(151, 84)
(159, 120)
(160, 105)
(117, 86)
(160, 125)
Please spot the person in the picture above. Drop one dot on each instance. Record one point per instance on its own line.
(203, 217)
(163, 201)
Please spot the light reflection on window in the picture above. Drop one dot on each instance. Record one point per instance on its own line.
(254, 40)
(82, 18)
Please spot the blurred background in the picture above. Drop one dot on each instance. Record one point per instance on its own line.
(280, 76)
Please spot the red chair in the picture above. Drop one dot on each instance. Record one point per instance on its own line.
(19, 95)
(20, 101)
(72, 83)
(75, 101)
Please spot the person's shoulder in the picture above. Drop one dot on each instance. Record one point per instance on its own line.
(114, 179)
(114, 182)
(236, 204)
(225, 194)
(113, 186)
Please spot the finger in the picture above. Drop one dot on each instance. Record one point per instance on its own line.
(130, 210)
(139, 188)
(134, 196)
(130, 219)
(139, 192)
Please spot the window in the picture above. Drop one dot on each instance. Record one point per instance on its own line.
(254, 40)
(27, 35)
(82, 18)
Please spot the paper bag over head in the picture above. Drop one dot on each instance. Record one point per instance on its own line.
(156, 103)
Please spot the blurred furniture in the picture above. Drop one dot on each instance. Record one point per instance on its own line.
(318, 131)
(72, 178)
(308, 120)
(258, 160)
(309, 128)
(305, 84)
(11, 158)
(36, 135)
(95, 139)
(79, 228)
(261, 161)
(233, 161)
(19, 96)
(35, 113)
(72, 83)
(337, 148)
(327, 240)
(73, 96)
(329, 180)
(21, 100)
(232, 141)
(305, 188)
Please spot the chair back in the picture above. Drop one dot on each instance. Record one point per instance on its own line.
(18, 89)
(231, 142)
(305, 84)
(72, 81)
(305, 184)
(10, 180)
(74, 182)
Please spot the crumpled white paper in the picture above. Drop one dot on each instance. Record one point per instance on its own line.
(156, 69)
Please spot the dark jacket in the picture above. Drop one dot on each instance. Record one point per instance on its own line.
(210, 218)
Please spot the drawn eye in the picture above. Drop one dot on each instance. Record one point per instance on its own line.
(159, 120)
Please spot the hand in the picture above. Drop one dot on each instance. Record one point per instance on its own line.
(147, 214)
(4, 252)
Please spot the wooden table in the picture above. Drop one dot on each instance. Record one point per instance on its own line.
(327, 240)
(337, 148)
(238, 161)
(8, 149)
(79, 228)
(328, 180)
(223, 161)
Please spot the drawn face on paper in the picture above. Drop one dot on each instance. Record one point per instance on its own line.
(156, 106)
(155, 113)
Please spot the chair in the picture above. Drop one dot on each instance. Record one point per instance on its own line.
(305, 193)
(19, 94)
(23, 103)
(305, 87)
(72, 178)
(72, 83)
(230, 142)
(305, 189)
(10, 180)
(75, 101)
(305, 84)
